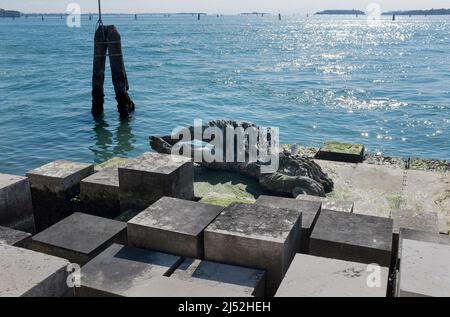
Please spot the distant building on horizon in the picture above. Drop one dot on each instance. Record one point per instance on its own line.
(9, 14)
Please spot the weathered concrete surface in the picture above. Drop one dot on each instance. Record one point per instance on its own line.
(125, 271)
(15, 237)
(329, 203)
(424, 269)
(352, 237)
(115, 162)
(423, 236)
(151, 176)
(415, 220)
(377, 190)
(310, 213)
(223, 188)
(80, 237)
(341, 152)
(99, 193)
(172, 225)
(16, 209)
(255, 236)
(232, 281)
(53, 187)
(310, 276)
(31, 274)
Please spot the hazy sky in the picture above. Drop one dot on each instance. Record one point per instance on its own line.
(217, 6)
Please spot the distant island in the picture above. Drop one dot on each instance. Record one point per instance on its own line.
(420, 12)
(9, 14)
(342, 12)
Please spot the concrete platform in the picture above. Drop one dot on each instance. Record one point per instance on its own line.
(255, 236)
(329, 203)
(352, 237)
(24, 273)
(310, 276)
(172, 225)
(15, 238)
(424, 269)
(80, 237)
(310, 213)
(16, 209)
(126, 271)
(377, 190)
(229, 280)
(53, 186)
(99, 193)
(152, 176)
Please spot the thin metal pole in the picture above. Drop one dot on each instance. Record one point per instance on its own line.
(99, 12)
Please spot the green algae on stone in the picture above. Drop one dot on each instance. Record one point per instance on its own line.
(346, 148)
(114, 162)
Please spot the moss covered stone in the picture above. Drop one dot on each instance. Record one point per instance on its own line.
(343, 152)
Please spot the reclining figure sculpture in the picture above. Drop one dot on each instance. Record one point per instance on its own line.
(294, 175)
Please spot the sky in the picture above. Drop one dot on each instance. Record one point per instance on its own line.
(216, 6)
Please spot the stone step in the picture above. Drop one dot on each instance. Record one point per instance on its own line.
(15, 238)
(257, 236)
(310, 213)
(310, 276)
(16, 209)
(80, 237)
(173, 225)
(329, 203)
(25, 273)
(352, 237)
(151, 176)
(53, 186)
(424, 269)
(228, 280)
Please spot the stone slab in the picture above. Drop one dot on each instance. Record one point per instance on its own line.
(99, 193)
(24, 273)
(341, 152)
(16, 209)
(424, 236)
(53, 188)
(126, 271)
(310, 213)
(15, 237)
(80, 237)
(329, 203)
(172, 225)
(114, 162)
(310, 276)
(151, 176)
(232, 281)
(352, 237)
(255, 236)
(424, 269)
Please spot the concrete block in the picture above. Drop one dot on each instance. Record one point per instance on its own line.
(80, 237)
(352, 237)
(99, 193)
(15, 237)
(310, 213)
(172, 225)
(152, 176)
(310, 276)
(126, 271)
(341, 152)
(424, 269)
(255, 236)
(424, 236)
(415, 220)
(53, 186)
(24, 273)
(229, 280)
(329, 203)
(16, 209)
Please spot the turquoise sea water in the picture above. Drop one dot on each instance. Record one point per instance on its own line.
(319, 78)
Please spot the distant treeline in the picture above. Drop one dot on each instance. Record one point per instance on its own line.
(420, 12)
(343, 12)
